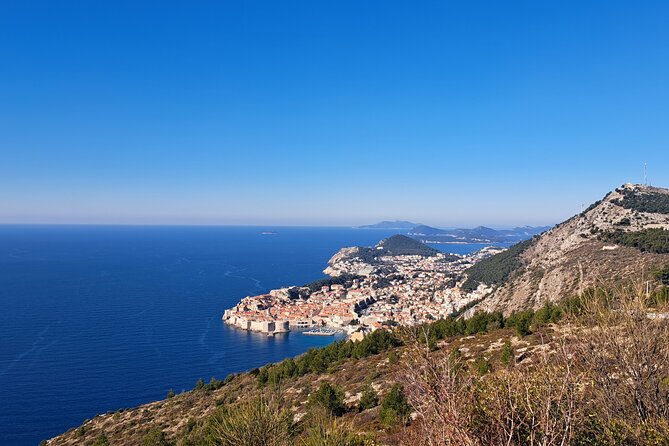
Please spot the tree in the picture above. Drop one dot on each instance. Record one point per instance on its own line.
(394, 408)
(522, 321)
(507, 356)
(369, 398)
(330, 398)
(662, 274)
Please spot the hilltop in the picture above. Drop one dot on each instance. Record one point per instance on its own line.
(396, 245)
(622, 236)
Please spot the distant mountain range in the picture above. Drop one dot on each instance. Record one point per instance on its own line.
(397, 224)
(480, 234)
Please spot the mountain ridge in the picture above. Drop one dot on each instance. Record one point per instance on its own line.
(579, 252)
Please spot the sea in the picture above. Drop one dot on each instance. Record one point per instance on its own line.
(98, 318)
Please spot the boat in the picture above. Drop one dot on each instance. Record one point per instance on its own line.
(320, 332)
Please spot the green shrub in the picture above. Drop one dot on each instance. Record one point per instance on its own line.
(522, 321)
(250, 423)
(662, 274)
(155, 437)
(395, 408)
(325, 430)
(369, 398)
(507, 355)
(101, 440)
(330, 398)
(482, 366)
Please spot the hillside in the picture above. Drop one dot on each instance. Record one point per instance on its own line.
(396, 245)
(376, 363)
(565, 374)
(401, 245)
(624, 235)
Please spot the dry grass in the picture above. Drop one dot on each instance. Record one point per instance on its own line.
(603, 380)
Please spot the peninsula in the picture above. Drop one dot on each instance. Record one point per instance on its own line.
(400, 281)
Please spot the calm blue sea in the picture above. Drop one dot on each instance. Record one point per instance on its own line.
(97, 318)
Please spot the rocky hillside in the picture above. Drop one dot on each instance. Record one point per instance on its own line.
(623, 236)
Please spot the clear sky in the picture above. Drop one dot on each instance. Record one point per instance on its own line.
(451, 113)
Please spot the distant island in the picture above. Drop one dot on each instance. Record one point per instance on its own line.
(397, 224)
(479, 234)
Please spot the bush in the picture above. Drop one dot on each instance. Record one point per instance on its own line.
(522, 321)
(602, 383)
(662, 274)
(482, 366)
(155, 437)
(507, 355)
(324, 430)
(251, 423)
(394, 408)
(101, 440)
(369, 398)
(170, 394)
(330, 398)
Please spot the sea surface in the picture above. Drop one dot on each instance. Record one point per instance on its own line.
(97, 318)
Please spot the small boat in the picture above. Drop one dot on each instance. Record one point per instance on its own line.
(268, 233)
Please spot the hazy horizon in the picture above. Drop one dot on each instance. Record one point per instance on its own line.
(357, 226)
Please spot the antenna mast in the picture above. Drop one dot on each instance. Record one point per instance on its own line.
(645, 174)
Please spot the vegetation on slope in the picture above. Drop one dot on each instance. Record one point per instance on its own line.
(652, 202)
(322, 359)
(602, 382)
(521, 380)
(496, 269)
(652, 240)
(396, 245)
(401, 245)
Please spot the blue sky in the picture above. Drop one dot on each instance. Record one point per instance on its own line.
(327, 113)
